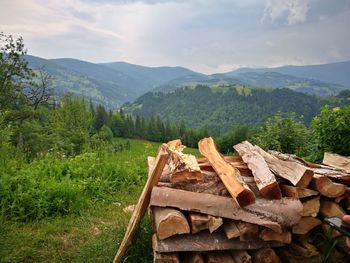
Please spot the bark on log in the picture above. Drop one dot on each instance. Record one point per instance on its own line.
(239, 191)
(231, 230)
(297, 192)
(269, 235)
(266, 255)
(215, 188)
(142, 204)
(311, 207)
(201, 222)
(334, 174)
(269, 213)
(165, 258)
(337, 161)
(305, 225)
(219, 257)
(264, 178)
(241, 256)
(169, 222)
(327, 187)
(330, 208)
(294, 172)
(204, 241)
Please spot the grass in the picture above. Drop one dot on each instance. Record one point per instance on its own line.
(93, 234)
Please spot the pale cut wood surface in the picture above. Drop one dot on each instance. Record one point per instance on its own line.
(297, 174)
(297, 192)
(269, 213)
(239, 191)
(305, 225)
(166, 258)
(231, 230)
(204, 241)
(327, 187)
(264, 178)
(336, 160)
(169, 222)
(311, 206)
(142, 203)
(241, 256)
(269, 235)
(201, 222)
(330, 208)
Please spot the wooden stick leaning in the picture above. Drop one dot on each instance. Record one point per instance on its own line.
(238, 190)
(142, 204)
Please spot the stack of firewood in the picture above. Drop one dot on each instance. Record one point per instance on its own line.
(255, 206)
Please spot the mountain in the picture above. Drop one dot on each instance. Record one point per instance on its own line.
(110, 84)
(218, 108)
(338, 73)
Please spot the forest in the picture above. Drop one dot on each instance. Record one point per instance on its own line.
(69, 160)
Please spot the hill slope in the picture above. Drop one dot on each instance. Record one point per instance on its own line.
(221, 107)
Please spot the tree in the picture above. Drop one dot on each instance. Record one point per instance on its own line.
(331, 131)
(285, 133)
(100, 118)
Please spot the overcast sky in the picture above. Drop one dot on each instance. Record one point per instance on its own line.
(204, 35)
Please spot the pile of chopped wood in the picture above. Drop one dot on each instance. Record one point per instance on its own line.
(256, 206)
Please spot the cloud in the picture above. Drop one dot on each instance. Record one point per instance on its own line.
(293, 11)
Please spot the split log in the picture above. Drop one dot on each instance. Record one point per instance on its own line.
(239, 191)
(201, 222)
(294, 172)
(165, 176)
(169, 222)
(305, 225)
(264, 178)
(311, 207)
(269, 213)
(204, 241)
(165, 258)
(231, 230)
(193, 257)
(219, 257)
(327, 187)
(266, 255)
(183, 167)
(304, 250)
(142, 203)
(241, 256)
(346, 195)
(269, 235)
(215, 188)
(248, 231)
(329, 208)
(334, 174)
(337, 161)
(297, 192)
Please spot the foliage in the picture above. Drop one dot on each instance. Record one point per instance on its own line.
(283, 133)
(330, 131)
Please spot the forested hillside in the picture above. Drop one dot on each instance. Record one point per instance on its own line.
(220, 107)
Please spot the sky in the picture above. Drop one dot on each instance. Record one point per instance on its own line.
(208, 36)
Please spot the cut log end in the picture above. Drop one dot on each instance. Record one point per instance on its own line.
(246, 197)
(271, 191)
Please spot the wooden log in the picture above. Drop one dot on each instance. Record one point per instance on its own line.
(165, 176)
(231, 230)
(269, 213)
(330, 208)
(239, 191)
(297, 192)
(327, 187)
(346, 195)
(165, 257)
(264, 178)
(183, 167)
(201, 222)
(265, 255)
(219, 257)
(193, 257)
(305, 225)
(297, 174)
(241, 256)
(204, 241)
(337, 161)
(142, 204)
(334, 174)
(311, 206)
(169, 222)
(248, 231)
(215, 188)
(269, 235)
(303, 250)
